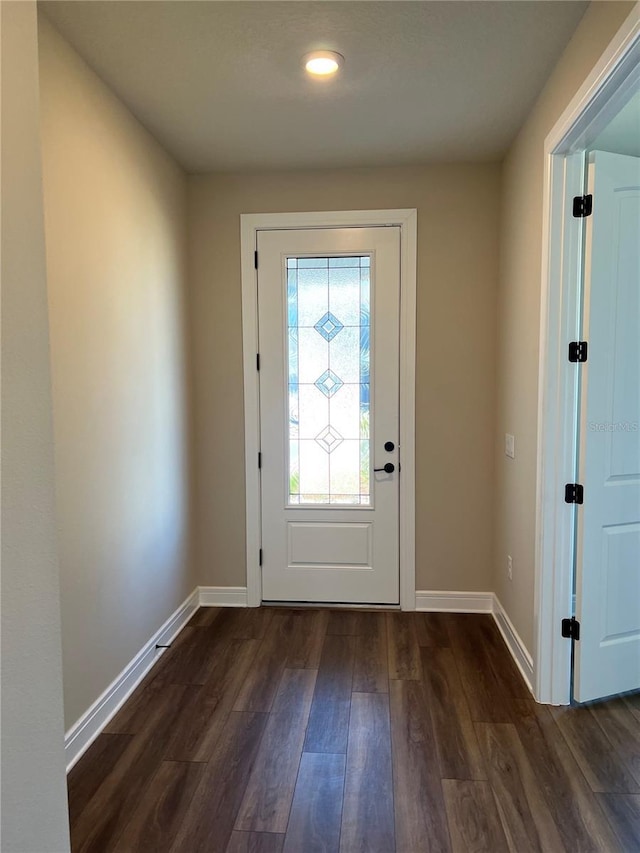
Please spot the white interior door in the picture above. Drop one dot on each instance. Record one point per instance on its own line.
(328, 309)
(607, 655)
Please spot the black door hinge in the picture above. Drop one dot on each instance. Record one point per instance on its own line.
(255, 258)
(571, 628)
(582, 206)
(259, 459)
(578, 351)
(573, 493)
(257, 361)
(260, 557)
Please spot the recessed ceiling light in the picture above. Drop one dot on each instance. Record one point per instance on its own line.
(322, 63)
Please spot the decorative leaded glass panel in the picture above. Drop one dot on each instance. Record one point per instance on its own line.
(329, 356)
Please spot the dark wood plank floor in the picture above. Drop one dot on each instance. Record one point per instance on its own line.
(302, 731)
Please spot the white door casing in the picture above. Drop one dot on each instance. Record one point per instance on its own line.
(329, 523)
(598, 100)
(250, 225)
(607, 655)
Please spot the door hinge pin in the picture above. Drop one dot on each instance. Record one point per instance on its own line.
(260, 557)
(571, 628)
(573, 493)
(259, 459)
(582, 206)
(578, 351)
(258, 361)
(255, 259)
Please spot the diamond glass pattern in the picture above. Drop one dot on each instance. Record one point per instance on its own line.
(329, 358)
(329, 439)
(328, 326)
(329, 383)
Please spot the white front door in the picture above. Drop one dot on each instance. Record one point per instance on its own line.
(607, 655)
(328, 315)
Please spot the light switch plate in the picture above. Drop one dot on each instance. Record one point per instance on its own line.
(509, 446)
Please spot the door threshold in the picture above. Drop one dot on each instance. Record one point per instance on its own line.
(334, 605)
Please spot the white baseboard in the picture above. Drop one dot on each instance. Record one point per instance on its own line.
(436, 601)
(223, 596)
(82, 734)
(519, 651)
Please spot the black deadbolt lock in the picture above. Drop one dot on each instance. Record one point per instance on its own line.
(389, 446)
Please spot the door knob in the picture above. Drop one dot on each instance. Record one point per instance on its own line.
(389, 446)
(389, 468)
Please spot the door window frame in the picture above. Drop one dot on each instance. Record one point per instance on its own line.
(597, 101)
(250, 225)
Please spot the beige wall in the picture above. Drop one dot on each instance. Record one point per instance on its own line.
(34, 795)
(115, 208)
(457, 271)
(519, 310)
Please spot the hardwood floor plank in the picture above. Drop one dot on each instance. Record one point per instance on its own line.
(198, 719)
(345, 622)
(488, 702)
(204, 617)
(632, 701)
(229, 667)
(329, 718)
(209, 820)
(623, 730)
(193, 660)
(420, 823)
(371, 663)
(259, 687)
(367, 813)
(100, 823)
(457, 743)
(474, 824)
(309, 631)
(316, 811)
(526, 820)
(578, 816)
(404, 652)
(267, 799)
(203, 720)
(243, 623)
(255, 842)
(593, 751)
(504, 667)
(623, 812)
(89, 773)
(162, 808)
(431, 630)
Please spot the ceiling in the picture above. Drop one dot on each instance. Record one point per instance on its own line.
(622, 134)
(220, 84)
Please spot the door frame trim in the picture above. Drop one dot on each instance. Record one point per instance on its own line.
(560, 321)
(250, 224)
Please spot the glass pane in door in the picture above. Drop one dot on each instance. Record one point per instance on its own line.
(328, 374)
